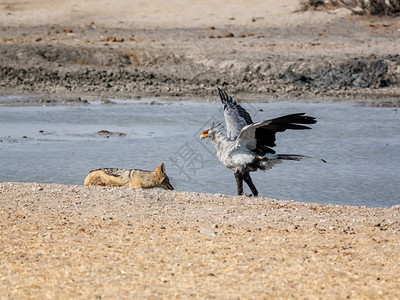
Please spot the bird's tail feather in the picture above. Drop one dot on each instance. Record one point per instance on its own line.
(297, 157)
(266, 163)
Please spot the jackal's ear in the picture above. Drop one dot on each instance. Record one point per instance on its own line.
(162, 166)
(158, 172)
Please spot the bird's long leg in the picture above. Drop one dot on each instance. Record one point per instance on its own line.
(239, 182)
(250, 183)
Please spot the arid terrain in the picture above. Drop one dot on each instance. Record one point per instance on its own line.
(61, 241)
(76, 242)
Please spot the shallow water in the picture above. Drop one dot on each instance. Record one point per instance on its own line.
(60, 144)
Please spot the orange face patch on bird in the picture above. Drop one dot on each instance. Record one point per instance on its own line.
(204, 134)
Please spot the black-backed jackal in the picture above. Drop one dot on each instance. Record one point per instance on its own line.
(130, 178)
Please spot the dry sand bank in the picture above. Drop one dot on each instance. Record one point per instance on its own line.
(110, 243)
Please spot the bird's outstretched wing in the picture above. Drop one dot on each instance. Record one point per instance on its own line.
(236, 117)
(260, 136)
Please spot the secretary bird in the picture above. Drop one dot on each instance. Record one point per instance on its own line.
(247, 146)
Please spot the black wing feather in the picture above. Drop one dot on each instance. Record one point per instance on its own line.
(266, 135)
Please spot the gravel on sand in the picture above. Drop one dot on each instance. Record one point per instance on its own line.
(61, 241)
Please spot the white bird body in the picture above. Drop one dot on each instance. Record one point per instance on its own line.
(235, 157)
(247, 146)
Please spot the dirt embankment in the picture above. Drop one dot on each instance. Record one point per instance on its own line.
(340, 60)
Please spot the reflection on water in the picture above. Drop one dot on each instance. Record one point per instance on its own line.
(61, 144)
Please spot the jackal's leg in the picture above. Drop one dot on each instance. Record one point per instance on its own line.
(239, 182)
(250, 183)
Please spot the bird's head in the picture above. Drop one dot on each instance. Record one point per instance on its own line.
(212, 131)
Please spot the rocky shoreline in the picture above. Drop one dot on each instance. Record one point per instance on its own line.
(299, 63)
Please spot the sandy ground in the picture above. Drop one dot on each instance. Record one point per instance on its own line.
(112, 243)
